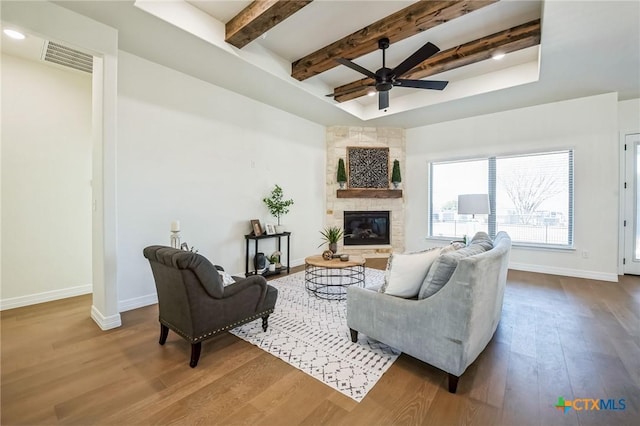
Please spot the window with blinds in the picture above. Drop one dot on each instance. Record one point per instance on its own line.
(531, 197)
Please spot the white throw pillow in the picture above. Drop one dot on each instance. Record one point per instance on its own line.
(226, 278)
(406, 272)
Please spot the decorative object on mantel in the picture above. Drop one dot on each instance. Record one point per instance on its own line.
(396, 178)
(342, 174)
(277, 206)
(331, 235)
(368, 167)
(175, 234)
(344, 257)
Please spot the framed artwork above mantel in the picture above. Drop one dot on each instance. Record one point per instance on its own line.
(368, 167)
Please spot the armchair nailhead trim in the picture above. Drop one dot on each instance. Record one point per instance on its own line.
(213, 333)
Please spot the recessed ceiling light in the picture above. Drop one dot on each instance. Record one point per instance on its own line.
(16, 35)
(371, 93)
(497, 56)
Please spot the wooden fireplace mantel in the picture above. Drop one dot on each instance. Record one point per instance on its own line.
(369, 193)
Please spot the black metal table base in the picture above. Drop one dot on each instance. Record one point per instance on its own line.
(331, 283)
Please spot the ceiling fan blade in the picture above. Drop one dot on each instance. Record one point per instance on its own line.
(346, 92)
(420, 55)
(421, 84)
(356, 67)
(383, 99)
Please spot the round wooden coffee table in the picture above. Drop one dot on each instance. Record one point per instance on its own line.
(329, 279)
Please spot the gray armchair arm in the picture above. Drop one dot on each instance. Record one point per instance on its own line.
(241, 285)
(382, 316)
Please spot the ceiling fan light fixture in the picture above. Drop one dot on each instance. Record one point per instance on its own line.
(386, 78)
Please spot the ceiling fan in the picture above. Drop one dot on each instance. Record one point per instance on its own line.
(386, 78)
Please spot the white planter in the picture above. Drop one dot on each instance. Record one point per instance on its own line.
(272, 267)
(279, 229)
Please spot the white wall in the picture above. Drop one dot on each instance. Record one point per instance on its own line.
(629, 116)
(46, 182)
(191, 151)
(588, 125)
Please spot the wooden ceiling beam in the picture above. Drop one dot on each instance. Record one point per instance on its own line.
(405, 23)
(258, 18)
(507, 41)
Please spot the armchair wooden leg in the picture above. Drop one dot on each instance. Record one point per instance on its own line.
(354, 335)
(453, 383)
(195, 354)
(164, 332)
(265, 322)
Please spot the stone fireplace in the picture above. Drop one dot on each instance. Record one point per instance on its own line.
(365, 202)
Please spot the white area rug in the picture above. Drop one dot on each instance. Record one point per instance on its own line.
(312, 335)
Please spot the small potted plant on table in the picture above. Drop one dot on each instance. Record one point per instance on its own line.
(274, 261)
(331, 236)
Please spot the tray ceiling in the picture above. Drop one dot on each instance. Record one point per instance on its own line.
(586, 48)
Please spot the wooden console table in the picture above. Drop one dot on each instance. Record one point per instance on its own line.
(251, 237)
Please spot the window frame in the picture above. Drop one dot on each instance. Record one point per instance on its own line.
(492, 185)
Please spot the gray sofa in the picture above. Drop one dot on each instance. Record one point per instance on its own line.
(448, 329)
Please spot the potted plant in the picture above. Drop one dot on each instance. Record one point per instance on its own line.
(342, 174)
(331, 235)
(274, 259)
(277, 206)
(395, 174)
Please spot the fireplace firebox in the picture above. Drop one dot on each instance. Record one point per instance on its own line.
(366, 228)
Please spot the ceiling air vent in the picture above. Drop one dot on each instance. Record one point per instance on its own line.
(68, 57)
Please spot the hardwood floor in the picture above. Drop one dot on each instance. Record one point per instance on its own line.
(558, 337)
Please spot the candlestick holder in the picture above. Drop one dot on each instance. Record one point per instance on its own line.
(175, 239)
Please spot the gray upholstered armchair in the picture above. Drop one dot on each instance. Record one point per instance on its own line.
(194, 303)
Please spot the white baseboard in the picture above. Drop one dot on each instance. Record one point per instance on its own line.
(296, 262)
(46, 296)
(567, 272)
(137, 302)
(105, 323)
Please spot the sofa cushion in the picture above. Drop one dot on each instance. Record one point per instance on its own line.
(406, 272)
(483, 239)
(443, 267)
